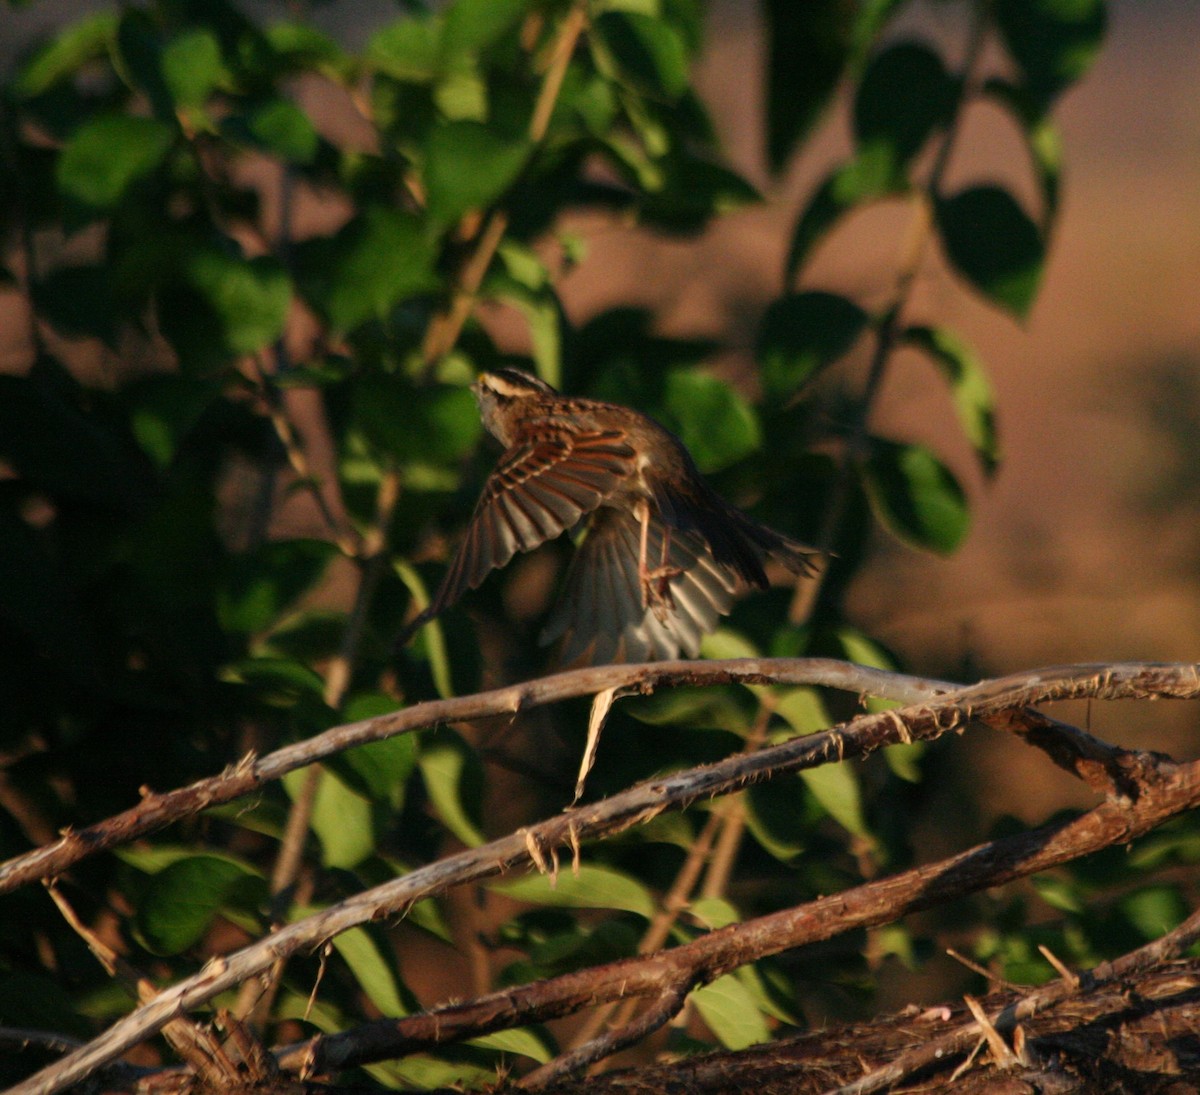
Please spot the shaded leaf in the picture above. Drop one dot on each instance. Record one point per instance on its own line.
(453, 779)
(58, 60)
(801, 334)
(183, 899)
(905, 94)
(262, 583)
(969, 385)
(107, 154)
(1042, 138)
(407, 49)
(807, 52)
(641, 51)
(916, 496)
(475, 24)
(192, 67)
(469, 166)
(1054, 42)
(992, 242)
(381, 257)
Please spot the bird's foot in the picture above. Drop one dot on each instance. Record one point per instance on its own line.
(656, 591)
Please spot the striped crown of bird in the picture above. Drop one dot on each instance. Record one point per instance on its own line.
(662, 555)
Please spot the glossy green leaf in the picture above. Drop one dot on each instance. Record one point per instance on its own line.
(192, 67)
(807, 51)
(641, 51)
(107, 154)
(469, 166)
(183, 899)
(453, 779)
(731, 1013)
(713, 912)
(79, 42)
(800, 335)
(992, 242)
(903, 97)
(594, 887)
(866, 178)
(1054, 42)
(475, 24)
(378, 259)
(915, 496)
(717, 426)
(974, 400)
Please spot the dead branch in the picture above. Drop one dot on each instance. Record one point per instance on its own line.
(1168, 789)
(1077, 750)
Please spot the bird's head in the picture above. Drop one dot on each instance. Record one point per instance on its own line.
(503, 397)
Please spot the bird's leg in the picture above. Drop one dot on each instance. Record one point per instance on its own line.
(656, 583)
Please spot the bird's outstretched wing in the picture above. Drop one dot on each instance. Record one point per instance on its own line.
(602, 615)
(543, 485)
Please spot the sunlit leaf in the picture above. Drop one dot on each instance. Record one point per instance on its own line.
(454, 780)
(595, 887)
(78, 43)
(969, 385)
(374, 969)
(731, 1014)
(716, 425)
(646, 53)
(475, 24)
(341, 818)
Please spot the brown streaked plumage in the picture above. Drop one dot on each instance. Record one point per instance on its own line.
(663, 554)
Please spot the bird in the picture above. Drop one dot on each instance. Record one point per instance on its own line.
(662, 555)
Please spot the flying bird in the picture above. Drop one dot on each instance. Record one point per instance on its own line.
(662, 554)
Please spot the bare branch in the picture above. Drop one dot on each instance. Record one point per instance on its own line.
(1169, 790)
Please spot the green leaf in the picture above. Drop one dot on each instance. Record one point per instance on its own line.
(595, 887)
(774, 820)
(807, 52)
(407, 49)
(905, 94)
(164, 410)
(437, 424)
(230, 306)
(992, 242)
(380, 258)
(525, 283)
(525, 1043)
(1054, 42)
(916, 496)
(380, 769)
(453, 779)
(800, 335)
(836, 788)
(472, 25)
(802, 709)
(183, 899)
(645, 53)
(107, 154)
(866, 178)
(78, 301)
(192, 67)
(974, 400)
(82, 41)
(1042, 138)
(374, 969)
(716, 425)
(1155, 910)
(341, 818)
(280, 677)
(469, 166)
(279, 126)
(731, 1013)
(263, 583)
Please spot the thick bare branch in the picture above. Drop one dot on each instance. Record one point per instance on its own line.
(1169, 789)
(156, 811)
